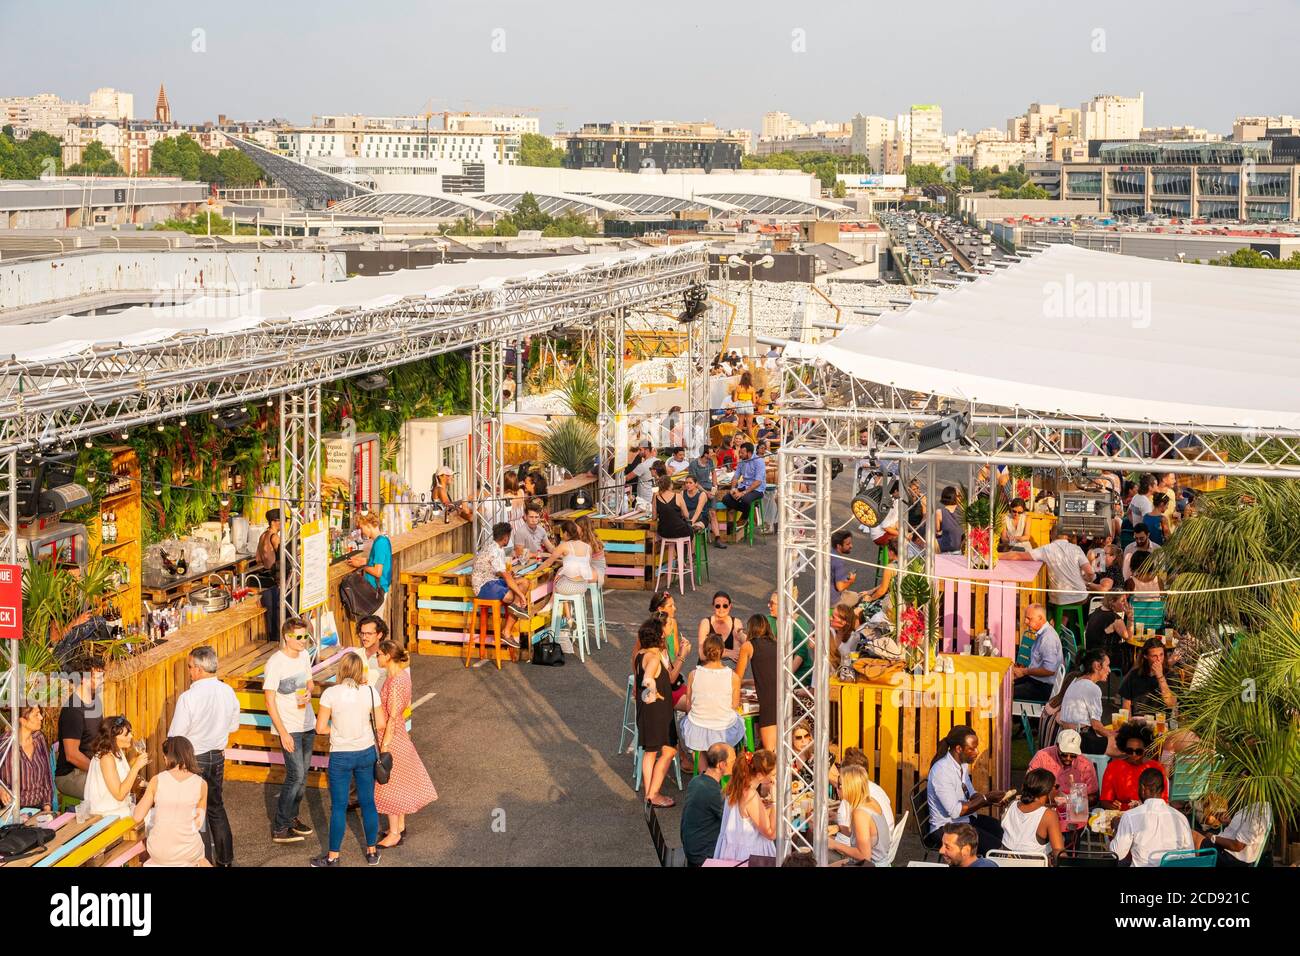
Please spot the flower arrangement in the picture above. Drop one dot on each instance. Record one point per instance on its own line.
(914, 619)
(982, 521)
(1024, 490)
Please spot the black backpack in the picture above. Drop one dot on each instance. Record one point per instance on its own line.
(18, 841)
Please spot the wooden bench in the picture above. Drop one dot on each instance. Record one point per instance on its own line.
(96, 841)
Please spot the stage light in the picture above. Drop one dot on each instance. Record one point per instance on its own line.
(945, 431)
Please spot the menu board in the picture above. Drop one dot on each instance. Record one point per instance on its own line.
(314, 590)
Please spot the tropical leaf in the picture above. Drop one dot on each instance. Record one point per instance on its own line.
(569, 444)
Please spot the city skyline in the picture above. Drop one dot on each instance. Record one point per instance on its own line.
(669, 60)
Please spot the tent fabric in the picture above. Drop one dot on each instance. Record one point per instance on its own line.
(73, 335)
(1079, 333)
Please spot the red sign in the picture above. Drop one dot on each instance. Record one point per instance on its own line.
(11, 602)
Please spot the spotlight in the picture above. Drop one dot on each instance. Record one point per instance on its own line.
(696, 300)
(945, 431)
(373, 382)
(233, 418)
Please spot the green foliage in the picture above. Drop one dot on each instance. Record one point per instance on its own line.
(36, 156)
(822, 165)
(580, 394)
(96, 161)
(570, 444)
(197, 225)
(983, 513)
(528, 214)
(536, 150)
(1254, 259)
(176, 156)
(915, 587)
(837, 191)
(924, 174)
(1027, 191)
(569, 224)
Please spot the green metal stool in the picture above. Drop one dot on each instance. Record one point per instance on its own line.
(882, 560)
(701, 556)
(1060, 610)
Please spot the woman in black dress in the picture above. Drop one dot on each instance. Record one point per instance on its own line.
(656, 724)
(759, 652)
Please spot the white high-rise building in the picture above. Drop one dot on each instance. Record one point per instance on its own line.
(870, 137)
(779, 125)
(1112, 117)
(108, 103)
(926, 143)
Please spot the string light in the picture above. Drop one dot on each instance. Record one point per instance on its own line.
(89, 443)
(160, 426)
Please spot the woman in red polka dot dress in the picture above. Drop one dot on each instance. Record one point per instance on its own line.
(409, 788)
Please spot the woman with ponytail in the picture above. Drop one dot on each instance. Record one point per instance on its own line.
(1078, 706)
(748, 817)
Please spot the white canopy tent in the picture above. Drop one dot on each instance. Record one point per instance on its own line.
(72, 335)
(1074, 332)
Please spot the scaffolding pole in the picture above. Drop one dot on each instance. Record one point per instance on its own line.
(13, 684)
(611, 420)
(300, 472)
(486, 433)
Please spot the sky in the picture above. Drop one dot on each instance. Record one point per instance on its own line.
(1199, 62)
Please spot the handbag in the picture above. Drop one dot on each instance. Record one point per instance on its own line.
(18, 841)
(384, 761)
(547, 652)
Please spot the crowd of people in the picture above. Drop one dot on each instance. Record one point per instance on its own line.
(102, 765)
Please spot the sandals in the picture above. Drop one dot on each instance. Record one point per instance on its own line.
(662, 803)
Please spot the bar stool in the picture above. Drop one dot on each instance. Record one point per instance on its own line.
(628, 730)
(682, 549)
(636, 768)
(1061, 610)
(479, 619)
(701, 556)
(577, 604)
(597, 596)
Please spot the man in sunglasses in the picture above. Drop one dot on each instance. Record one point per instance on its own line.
(1065, 761)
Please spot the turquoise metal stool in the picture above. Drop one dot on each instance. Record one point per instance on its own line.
(701, 556)
(628, 730)
(636, 768)
(597, 596)
(577, 604)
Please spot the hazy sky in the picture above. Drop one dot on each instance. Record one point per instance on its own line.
(1200, 62)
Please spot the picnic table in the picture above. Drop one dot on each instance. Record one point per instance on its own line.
(95, 841)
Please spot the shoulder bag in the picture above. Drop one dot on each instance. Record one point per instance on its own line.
(383, 761)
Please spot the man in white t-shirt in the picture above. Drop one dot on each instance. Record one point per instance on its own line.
(1241, 840)
(677, 463)
(287, 686)
(1140, 505)
(1068, 569)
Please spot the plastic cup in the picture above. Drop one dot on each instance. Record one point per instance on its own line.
(300, 695)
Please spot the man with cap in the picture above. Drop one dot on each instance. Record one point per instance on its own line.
(1066, 762)
(267, 559)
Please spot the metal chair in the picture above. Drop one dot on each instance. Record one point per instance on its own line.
(1009, 858)
(1203, 859)
(1087, 859)
(920, 802)
(628, 730)
(669, 856)
(1099, 761)
(896, 838)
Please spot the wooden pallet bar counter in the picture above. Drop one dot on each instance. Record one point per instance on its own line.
(899, 720)
(629, 551)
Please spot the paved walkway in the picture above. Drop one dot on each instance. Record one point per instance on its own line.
(524, 759)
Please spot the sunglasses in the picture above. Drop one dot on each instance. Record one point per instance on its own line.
(1135, 750)
(721, 607)
(803, 737)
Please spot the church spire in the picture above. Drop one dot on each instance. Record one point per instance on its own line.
(163, 111)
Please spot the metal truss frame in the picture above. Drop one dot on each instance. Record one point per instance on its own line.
(611, 418)
(12, 682)
(121, 386)
(486, 373)
(826, 412)
(300, 472)
(695, 418)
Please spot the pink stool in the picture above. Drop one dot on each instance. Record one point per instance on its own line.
(684, 559)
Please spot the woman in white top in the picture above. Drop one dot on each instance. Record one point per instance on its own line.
(1080, 705)
(1030, 825)
(864, 833)
(1015, 527)
(712, 701)
(351, 714)
(748, 817)
(179, 799)
(111, 776)
(574, 556)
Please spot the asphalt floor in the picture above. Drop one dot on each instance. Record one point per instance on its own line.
(526, 759)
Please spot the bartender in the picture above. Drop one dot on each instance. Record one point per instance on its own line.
(268, 563)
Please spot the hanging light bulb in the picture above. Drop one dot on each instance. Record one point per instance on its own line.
(184, 422)
(157, 488)
(388, 406)
(269, 401)
(89, 443)
(125, 434)
(225, 500)
(216, 415)
(90, 477)
(159, 426)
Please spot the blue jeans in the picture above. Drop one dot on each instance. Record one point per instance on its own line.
(346, 765)
(295, 779)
